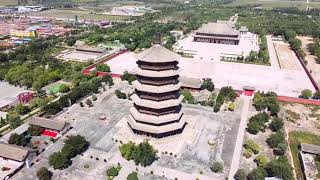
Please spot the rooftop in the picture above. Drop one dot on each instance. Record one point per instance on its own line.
(13, 152)
(310, 148)
(221, 28)
(158, 54)
(47, 123)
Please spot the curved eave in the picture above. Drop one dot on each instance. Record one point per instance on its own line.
(155, 119)
(151, 73)
(156, 89)
(155, 104)
(156, 129)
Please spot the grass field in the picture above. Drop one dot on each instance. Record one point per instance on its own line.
(269, 4)
(8, 2)
(295, 138)
(71, 13)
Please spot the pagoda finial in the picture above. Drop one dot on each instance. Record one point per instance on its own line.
(157, 38)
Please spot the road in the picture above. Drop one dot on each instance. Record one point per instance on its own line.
(272, 53)
(242, 126)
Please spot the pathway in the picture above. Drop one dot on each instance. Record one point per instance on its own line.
(237, 150)
(272, 53)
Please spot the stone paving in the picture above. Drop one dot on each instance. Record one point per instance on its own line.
(195, 155)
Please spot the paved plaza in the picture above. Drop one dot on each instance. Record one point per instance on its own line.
(8, 93)
(208, 137)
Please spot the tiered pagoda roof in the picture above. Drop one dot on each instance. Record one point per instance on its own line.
(157, 110)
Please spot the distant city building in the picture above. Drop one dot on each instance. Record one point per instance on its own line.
(157, 110)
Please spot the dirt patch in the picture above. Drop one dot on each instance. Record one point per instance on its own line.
(301, 117)
(287, 58)
(313, 66)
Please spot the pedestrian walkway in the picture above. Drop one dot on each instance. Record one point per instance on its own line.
(242, 126)
(272, 53)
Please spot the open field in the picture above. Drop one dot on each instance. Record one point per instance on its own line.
(269, 4)
(71, 13)
(8, 2)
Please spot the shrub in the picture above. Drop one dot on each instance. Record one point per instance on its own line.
(257, 123)
(187, 96)
(247, 153)
(276, 124)
(89, 102)
(44, 174)
(108, 80)
(142, 153)
(280, 149)
(133, 176)
(231, 107)
(217, 167)
(276, 139)
(262, 101)
(81, 104)
(240, 175)
(94, 97)
(21, 109)
(17, 139)
(261, 160)
(34, 130)
(254, 147)
(128, 77)
(113, 171)
(306, 94)
(64, 88)
(120, 94)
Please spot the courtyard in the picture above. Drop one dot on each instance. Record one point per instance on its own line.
(208, 137)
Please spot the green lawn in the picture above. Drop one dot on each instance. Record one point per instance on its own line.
(295, 138)
(269, 4)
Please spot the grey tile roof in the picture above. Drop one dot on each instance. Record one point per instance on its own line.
(310, 148)
(47, 123)
(218, 28)
(13, 152)
(158, 54)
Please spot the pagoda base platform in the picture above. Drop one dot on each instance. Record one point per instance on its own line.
(173, 144)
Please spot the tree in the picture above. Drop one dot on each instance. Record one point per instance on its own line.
(71, 41)
(17, 139)
(133, 176)
(128, 77)
(295, 44)
(280, 168)
(217, 167)
(276, 124)
(257, 123)
(59, 161)
(289, 34)
(44, 174)
(103, 68)
(253, 56)
(306, 94)
(240, 175)
(35, 130)
(79, 143)
(13, 120)
(107, 79)
(144, 154)
(316, 95)
(257, 174)
(207, 84)
(113, 171)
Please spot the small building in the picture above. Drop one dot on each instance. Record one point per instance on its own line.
(12, 159)
(192, 84)
(308, 153)
(220, 32)
(51, 127)
(90, 49)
